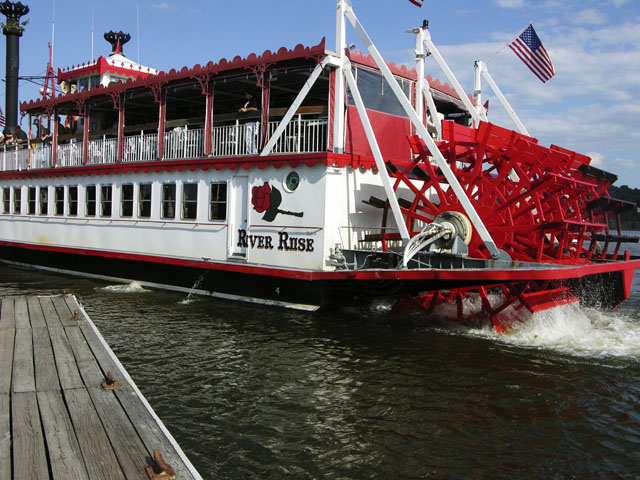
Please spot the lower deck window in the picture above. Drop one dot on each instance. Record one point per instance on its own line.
(6, 200)
(90, 201)
(189, 201)
(218, 201)
(73, 200)
(59, 200)
(31, 201)
(126, 207)
(17, 200)
(106, 193)
(144, 200)
(168, 200)
(44, 200)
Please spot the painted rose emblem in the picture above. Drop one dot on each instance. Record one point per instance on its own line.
(261, 198)
(267, 199)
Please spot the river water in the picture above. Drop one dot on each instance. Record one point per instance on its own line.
(255, 392)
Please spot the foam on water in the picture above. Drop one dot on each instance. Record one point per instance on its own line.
(189, 299)
(575, 330)
(133, 287)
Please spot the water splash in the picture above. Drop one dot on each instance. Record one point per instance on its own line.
(189, 299)
(192, 296)
(133, 287)
(574, 330)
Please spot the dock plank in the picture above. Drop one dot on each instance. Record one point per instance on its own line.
(91, 373)
(129, 449)
(45, 367)
(152, 437)
(64, 312)
(50, 313)
(7, 315)
(29, 457)
(5, 436)
(99, 457)
(7, 337)
(74, 307)
(79, 346)
(23, 378)
(65, 361)
(36, 317)
(107, 364)
(65, 457)
(21, 313)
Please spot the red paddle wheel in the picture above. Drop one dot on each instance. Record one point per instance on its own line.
(539, 204)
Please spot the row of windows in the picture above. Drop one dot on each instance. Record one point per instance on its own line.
(38, 200)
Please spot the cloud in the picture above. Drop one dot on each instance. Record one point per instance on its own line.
(596, 159)
(509, 3)
(589, 16)
(160, 6)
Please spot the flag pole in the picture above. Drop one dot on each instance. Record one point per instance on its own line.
(507, 44)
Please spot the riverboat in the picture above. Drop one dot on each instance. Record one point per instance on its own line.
(310, 178)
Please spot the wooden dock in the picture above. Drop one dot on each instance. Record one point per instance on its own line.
(56, 419)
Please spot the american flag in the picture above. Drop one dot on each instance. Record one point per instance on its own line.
(528, 47)
(2, 119)
(416, 2)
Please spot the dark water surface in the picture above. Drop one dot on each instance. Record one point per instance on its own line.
(255, 392)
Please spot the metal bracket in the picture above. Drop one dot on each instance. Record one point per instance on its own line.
(160, 469)
(110, 383)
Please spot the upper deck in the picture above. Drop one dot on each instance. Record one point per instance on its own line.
(195, 113)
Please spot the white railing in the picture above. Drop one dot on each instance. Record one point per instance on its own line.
(69, 154)
(301, 136)
(238, 139)
(140, 148)
(103, 150)
(14, 158)
(183, 143)
(41, 156)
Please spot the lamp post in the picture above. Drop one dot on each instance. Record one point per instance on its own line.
(12, 29)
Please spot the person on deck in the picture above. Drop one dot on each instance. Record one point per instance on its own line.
(21, 135)
(250, 128)
(251, 105)
(9, 139)
(42, 132)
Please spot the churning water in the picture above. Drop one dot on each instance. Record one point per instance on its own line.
(576, 331)
(255, 392)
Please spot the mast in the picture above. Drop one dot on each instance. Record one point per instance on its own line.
(339, 90)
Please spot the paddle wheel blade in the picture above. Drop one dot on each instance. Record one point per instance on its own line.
(505, 304)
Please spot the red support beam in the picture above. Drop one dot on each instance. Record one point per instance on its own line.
(208, 121)
(162, 117)
(266, 94)
(121, 130)
(54, 139)
(85, 135)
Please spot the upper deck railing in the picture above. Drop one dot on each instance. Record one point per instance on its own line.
(302, 135)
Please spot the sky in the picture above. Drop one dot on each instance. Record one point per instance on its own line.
(591, 105)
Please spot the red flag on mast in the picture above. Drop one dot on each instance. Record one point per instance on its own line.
(416, 2)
